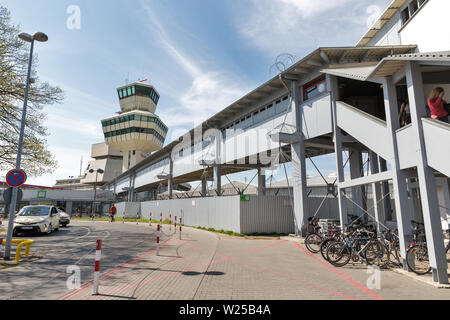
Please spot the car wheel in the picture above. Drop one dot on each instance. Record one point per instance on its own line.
(49, 229)
(14, 233)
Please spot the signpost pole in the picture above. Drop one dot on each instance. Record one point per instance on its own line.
(12, 206)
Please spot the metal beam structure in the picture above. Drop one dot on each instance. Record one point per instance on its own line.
(322, 125)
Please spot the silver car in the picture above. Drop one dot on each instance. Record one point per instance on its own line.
(37, 219)
(64, 217)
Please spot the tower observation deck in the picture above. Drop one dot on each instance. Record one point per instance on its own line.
(136, 130)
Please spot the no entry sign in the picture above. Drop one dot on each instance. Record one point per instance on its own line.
(16, 178)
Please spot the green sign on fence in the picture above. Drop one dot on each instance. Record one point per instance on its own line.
(42, 194)
(245, 198)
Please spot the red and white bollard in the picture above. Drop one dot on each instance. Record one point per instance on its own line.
(123, 217)
(175, 224)
(170, 222)
(160, 220)
(98, 256)
(158, 233)
(137, 218)
(150, 219)
(181, 223)
(1, 247)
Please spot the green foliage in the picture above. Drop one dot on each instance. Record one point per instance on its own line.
(231, 233)
(14, 55)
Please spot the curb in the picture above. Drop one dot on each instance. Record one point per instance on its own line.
(421, 278)
(294, 239)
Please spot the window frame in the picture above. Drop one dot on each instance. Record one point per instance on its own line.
(314, 83)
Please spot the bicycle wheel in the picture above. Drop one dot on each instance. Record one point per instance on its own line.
(375, 254)
(313, 242)
(447, 252)
(396, 254)
(338, 254)
(417, 259)
(324, 246)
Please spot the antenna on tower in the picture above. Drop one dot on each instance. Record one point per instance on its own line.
(81, 165)
(127, 80)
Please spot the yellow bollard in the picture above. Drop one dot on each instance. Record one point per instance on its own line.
(22, 242)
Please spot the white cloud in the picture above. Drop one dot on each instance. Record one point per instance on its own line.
(68, 165)
(293, 26)
(210, 91)
(308, 8)
(89, 128)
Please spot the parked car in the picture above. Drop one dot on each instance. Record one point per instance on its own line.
(40, 219)
(64, 217)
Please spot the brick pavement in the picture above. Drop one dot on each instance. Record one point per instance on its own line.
(207, 266)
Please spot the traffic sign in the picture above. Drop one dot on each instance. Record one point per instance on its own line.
(7, 195)
(16, 178)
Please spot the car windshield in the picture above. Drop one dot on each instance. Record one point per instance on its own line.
(34, 212)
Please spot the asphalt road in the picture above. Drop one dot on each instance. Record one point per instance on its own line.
(73, 246)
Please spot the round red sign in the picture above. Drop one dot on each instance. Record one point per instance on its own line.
(16, 178)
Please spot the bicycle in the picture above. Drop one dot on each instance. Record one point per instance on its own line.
(417, 255)
(357, 245)
(315, 238)
(388, 248)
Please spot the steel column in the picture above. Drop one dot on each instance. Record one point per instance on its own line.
(299, 165)
(387, 207)
(427, 182)
(376, 192)
(333, 85)
(398, 176)
(261, 182)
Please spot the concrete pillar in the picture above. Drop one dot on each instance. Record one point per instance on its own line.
(333, 85)
(398, 176)
(261, 182)
(170, 180)
(427, 182)
(376, 192)
(299, 166)
(69, 206)
(385, 189)
(218, 180)
(356, 171)
(204, 187)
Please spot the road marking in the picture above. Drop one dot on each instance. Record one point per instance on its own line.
(110, 273)
(341, 274)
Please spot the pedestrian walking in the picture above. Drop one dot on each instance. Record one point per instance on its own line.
(112, 212)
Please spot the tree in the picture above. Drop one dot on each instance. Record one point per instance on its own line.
(14, 55)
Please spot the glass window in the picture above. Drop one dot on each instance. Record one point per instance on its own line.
(137, 117)
(133, 90)
(405, 15)
(144, 118)
(124, 93)
(314, 88)
(129, 91)
(413, 6)
(120, 94)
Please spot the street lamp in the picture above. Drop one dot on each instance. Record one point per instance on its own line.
(95, 187)
(41, 37)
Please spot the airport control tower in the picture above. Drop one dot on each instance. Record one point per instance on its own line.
(136, 130)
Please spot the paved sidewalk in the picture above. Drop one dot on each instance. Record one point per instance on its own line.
(208, 266)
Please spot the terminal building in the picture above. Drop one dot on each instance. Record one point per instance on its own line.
(335, 100)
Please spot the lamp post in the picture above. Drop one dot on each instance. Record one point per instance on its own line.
(95, 187)
(41, 37)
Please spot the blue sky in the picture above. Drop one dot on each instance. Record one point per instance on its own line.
(201, 55)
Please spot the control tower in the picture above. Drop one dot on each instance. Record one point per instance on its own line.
(136, 130)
